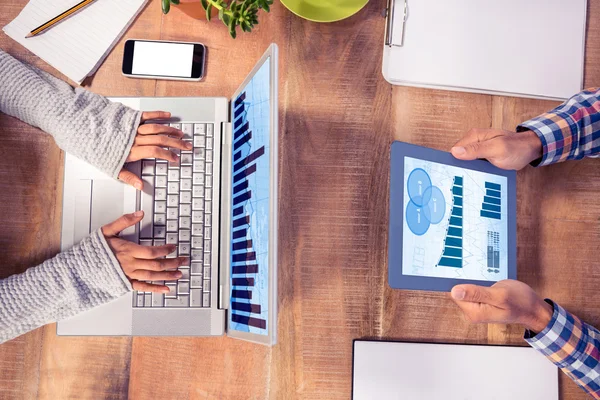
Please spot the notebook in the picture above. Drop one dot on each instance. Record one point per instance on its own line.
(78, 45)
(532, 48)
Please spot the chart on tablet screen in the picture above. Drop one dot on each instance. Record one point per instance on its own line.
(455, 222)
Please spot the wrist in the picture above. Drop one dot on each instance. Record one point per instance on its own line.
(533, 144)
(541, 317)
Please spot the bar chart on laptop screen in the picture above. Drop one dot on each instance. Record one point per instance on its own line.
(455, 222)
(250, 206)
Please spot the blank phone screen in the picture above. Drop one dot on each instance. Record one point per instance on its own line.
(162, 59)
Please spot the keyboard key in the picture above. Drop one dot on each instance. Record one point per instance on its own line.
(199, 153)
(208, 181)
(198, 191)
(197, 229)
(198, 179)
(184, 249)
(175, 125)
(140, 299)
(207, 232)
(185, 222)
(159, 242)
(196, 281)
(206, 272)
(145, 242)
(208, 167)
(172, 255)
(161, 168)
(195, 297)
(160, 219)
(196, 269)
(197, 217)
(158, 299)
(183, 287)
(209, 129)
(196, 242)
(209, 144)
(207, 219)
(159, 232)
(186, 184)
(206, 300)
(206, 244)
(172, 200)
(208, 193)
(207, 206)
(171, 238)
(184, 235)
(172, 213)
(207, 259)
(171, 225)
(198, 165)
(185, 210)
(185, 273)
(160, 207)
(148, 167)
(199, 129)
(186, 172)
(161, 181)
(180, 301)
(188, 130)
(185, 197)
(186, 158)
(196, 255)
(173, 175)
(147, 203)
(206, 285)
(173, 188)
(197, 204)
(209, 158)
(199, 141)
(160, 194)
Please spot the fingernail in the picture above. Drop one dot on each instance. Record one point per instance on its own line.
(165, 291)
(179, 274)
(138, 185)
(172, 247)
(458, 293)
(138, 213)
(188, 146)
(175, 157)
(459, 151)
(185, 261)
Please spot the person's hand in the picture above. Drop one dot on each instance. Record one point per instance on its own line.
(142, 263)
(506, 302)
(150, 141)
(504, 149)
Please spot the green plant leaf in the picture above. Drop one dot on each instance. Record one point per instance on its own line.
(209, 11)
(175, 1)
(166, 6)
(226, 18)
(204, 4)
(232, 31)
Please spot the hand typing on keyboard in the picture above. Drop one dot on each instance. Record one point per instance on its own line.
(142, 263)
(150, 141)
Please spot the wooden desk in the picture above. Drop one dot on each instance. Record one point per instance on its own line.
(338, 117)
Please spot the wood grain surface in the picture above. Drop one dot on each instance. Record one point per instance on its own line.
(338, 117)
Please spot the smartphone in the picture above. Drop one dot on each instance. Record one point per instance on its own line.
(158, 59)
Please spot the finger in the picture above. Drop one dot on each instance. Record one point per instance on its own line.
(131, 179)
(148, 287)
(145, 275)
(139, 152)
(474, 150)
(162, 141)
(478, 135)
(474, 294)
(160, 265)
(148, 252)
(480, 313)
(156, 129)
(124, 222)
(147, 115)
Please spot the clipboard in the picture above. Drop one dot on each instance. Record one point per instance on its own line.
(532, 48)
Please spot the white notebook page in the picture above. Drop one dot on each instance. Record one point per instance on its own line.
(78, 45)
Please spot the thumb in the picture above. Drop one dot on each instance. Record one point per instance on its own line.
(122, 223)
(131, 179)
(473, 294)
(475, 150)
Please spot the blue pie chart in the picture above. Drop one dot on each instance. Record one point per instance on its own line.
(418, 182)
(416, 220)
(435, 204)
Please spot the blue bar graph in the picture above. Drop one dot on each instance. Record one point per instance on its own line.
(492, 201)
(452, 253)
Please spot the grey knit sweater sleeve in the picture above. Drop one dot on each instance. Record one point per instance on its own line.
(76, 280)
(82, 123)
(97, 131)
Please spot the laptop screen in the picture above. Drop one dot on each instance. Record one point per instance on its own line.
(251, 116)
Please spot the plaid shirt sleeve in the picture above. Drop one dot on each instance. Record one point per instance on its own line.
(571, 345)
(571, 131)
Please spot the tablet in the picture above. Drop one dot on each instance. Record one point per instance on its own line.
(451, 221)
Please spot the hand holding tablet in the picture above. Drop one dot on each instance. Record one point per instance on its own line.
(451, 221)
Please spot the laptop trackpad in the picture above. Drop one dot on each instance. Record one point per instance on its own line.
(107, 202)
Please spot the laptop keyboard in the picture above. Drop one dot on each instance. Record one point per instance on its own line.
(180, 212)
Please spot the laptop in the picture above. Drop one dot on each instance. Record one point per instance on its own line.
(218, 204)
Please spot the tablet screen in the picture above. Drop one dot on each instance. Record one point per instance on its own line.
(455, 223)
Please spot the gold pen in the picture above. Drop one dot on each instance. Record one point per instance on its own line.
(59, 18)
